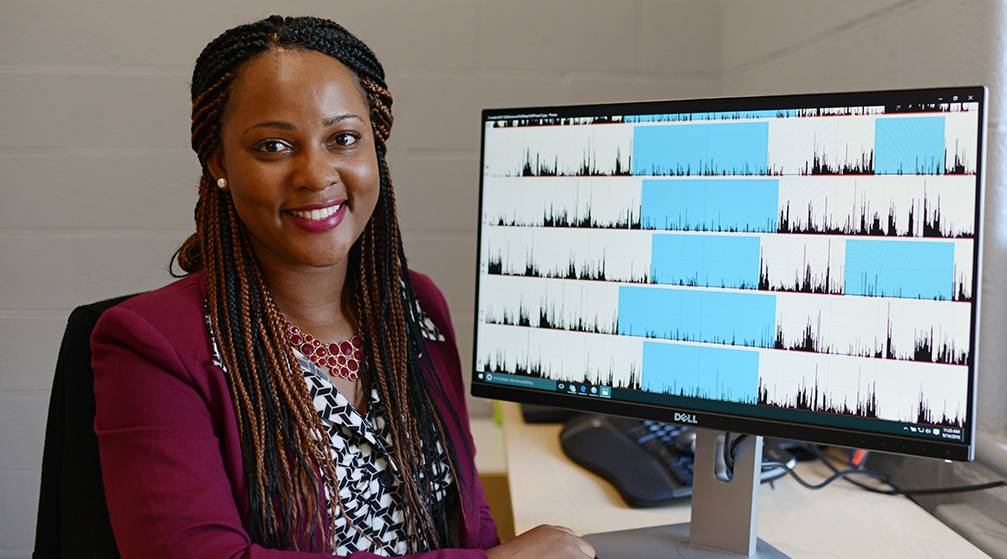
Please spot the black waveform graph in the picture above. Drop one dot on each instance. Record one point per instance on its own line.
(573, 269)
(496, 266)
(921, 165)
(708, 168)
(765, 341)
(927, 416)
(872, 222)
(508, 316)
(895, 330)
(876, 388)
(879, 206)
(502, 363)
(932, 347)
(818, 399)
(820, 165)
(542, 304)
(560, 253)
(811, 339)
(933, 227)
(963, 287)
(840, 144)
(713, 225)
(537, 165)
(961, 154)
(562, 149)
(722, 391)
(954, 163)
(958, 162)
(868, 285)
(554, 315)
(694, 280)
(813, 274)
(565, 218)
(566, 203)
(593, 359)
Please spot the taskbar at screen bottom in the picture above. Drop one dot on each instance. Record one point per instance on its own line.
(682, 409)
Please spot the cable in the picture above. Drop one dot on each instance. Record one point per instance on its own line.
(837, 474)
(898, 491)
(731, 446)
(833, 477)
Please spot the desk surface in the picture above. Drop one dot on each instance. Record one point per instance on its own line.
(837, 521)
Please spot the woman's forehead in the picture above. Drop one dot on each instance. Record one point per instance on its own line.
(281, 79)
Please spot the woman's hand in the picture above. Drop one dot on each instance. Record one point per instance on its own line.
(544, 542)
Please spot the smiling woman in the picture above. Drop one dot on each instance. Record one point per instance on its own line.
(299, 159)
(226, 429)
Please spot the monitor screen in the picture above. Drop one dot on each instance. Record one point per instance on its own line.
(803, 267)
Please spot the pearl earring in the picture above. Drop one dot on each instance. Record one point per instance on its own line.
(222, 183)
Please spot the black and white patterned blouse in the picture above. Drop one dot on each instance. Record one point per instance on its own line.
(368, 513)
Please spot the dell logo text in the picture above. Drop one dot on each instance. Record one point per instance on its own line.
(685, 418)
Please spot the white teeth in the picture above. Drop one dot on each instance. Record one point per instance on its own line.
(317, 215)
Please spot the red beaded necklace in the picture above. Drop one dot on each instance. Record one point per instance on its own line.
(342, 359)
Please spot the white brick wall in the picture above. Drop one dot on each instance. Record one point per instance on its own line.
(97, 182)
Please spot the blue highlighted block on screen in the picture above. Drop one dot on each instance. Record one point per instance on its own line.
(907, 269)
(718, 317)
(703, 372)
(722, 205)
(909, 146)
(707, 148)
(705, 260)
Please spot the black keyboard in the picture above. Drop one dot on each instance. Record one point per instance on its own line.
(650, 463)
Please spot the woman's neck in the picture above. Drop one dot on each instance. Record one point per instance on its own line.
(318, 301)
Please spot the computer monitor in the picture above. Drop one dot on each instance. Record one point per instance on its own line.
(804, 267)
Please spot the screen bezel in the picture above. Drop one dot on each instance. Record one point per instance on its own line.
(790, 428)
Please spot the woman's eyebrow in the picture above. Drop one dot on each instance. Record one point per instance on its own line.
(333, 120)
(272, 124)
(283, 125)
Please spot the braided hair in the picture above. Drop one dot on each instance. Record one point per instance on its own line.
(285, 449)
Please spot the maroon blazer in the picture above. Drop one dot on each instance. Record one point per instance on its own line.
(169, 444)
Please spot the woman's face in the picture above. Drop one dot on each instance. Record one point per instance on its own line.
(299, 158)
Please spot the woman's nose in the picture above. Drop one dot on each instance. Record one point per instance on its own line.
(315, 170)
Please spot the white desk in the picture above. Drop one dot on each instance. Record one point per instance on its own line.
(837, 521)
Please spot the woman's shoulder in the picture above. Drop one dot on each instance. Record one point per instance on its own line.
(173, 313)
(179, 299)
(187, 292)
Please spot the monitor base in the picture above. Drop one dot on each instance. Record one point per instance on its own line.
(664, 542)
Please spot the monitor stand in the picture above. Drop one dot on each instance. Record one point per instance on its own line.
(724, 514)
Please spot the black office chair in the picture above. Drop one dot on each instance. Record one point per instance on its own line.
(72, 511)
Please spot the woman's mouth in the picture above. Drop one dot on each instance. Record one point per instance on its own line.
(316, 215)
(320, 218)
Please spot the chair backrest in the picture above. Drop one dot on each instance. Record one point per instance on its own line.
(72, 511)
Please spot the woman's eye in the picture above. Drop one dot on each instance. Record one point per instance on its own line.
(345, 139)
(271, 146)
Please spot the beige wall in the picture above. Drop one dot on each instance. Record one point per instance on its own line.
(97, 181)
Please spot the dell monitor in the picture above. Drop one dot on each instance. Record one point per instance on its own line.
(804, 267)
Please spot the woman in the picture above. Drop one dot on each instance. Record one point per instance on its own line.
(298, 393)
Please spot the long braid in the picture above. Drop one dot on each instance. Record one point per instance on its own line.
(284, 444)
